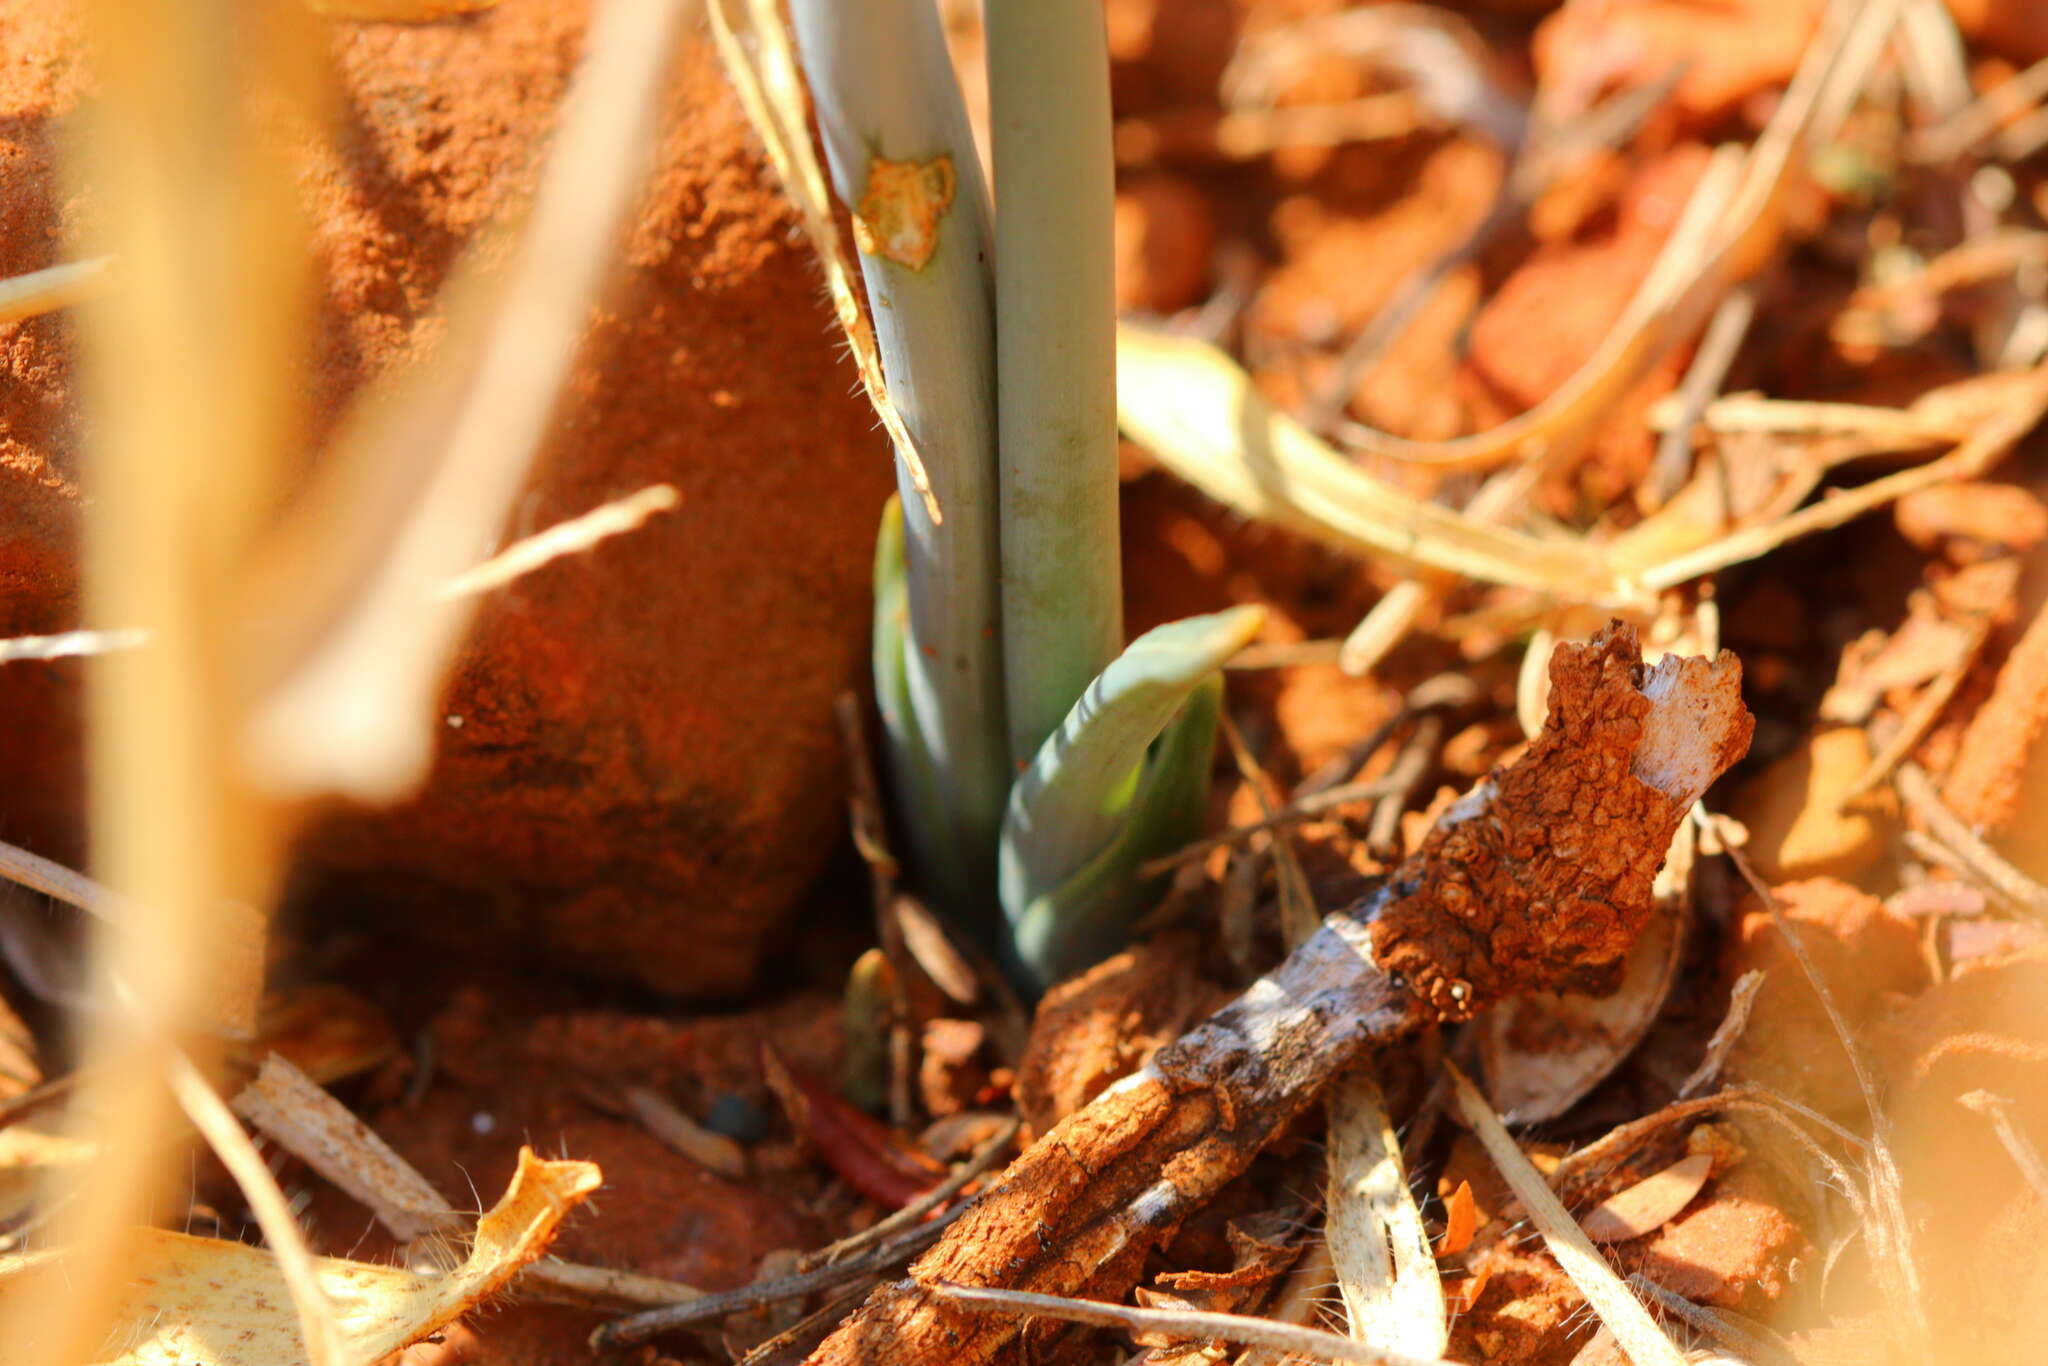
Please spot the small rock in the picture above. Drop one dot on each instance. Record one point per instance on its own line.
(1165, 241)
(1727, 52)
(1734, 1248)
(1794, 829)
(1868, 957)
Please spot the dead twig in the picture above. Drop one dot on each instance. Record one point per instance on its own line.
(1298, 918)
(1293, 813)
(1760, 1350)
(660, 1117)
(1741, 997)
(795, 1342)
(635, 1329)
(1411, 766)
(1972, 854)
(979, 1162)
(1190, 1323)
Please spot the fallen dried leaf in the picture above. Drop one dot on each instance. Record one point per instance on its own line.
(203, 1302)
(1461, 1221)
(864, 1153)
(1650, 1203)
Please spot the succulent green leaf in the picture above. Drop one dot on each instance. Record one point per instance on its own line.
(954, 873)
(1050, 134)
(1101, 796)
(1089, 916)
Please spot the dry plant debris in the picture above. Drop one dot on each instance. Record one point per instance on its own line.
(1111, 1182)
(205, 1302)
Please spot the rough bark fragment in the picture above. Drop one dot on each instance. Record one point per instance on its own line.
(1539, 879)
(1115, 1178)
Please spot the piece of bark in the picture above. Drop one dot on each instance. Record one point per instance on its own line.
(1571, 832)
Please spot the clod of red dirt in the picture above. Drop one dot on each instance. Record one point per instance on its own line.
(1343, 259)
(639, 775)
(1165, 238)
(1106, 1023)
(1527, 1312)
(1868, 957)
(1726, 52)
(1972, 516)
(1553, 313)
(1983, 786)
(1735, 1248)
(1795, 830)
(1582, 808)
(40, 83)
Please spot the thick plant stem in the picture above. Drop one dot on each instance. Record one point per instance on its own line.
(1049, 126)
(903, 160)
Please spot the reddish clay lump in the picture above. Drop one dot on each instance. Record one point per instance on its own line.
(639, 775)
(1540, 879)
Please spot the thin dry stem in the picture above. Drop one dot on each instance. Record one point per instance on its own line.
(217, 1124)
(1610, 1297)
(572, 537)
(54, 287)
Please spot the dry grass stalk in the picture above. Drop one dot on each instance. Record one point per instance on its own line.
(1889, 1233)
(204, 225)
(1975, 454)
(1999, 1109)
(1610, 1297)
(52, 288)
(69, 645)
(572, 537)
(295, 1264)
(754, 44)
